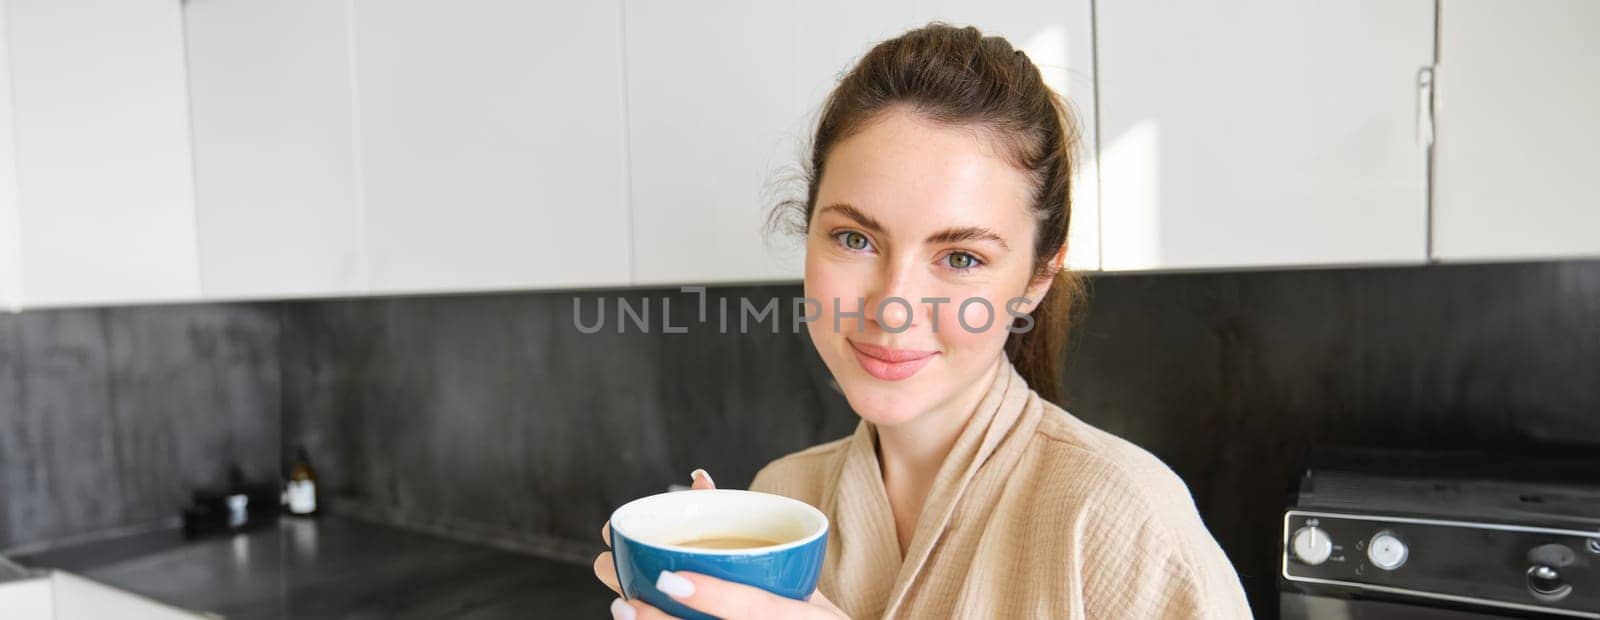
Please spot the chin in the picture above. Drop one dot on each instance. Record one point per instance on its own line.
(883, 405)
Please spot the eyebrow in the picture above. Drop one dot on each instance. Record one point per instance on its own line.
(948, 235)
(853, 213)
(967, 233)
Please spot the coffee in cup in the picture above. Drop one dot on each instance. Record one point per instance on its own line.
(728, 542)
(768, 541)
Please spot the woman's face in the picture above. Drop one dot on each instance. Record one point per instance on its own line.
(912, 210)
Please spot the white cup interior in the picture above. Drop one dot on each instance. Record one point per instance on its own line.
(667, 519)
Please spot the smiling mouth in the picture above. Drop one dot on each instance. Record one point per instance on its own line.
(890, 364)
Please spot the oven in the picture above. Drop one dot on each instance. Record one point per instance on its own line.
(1443, 536)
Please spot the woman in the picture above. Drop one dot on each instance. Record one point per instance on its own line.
(938, 195)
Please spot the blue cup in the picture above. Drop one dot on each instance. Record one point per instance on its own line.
(648, 536)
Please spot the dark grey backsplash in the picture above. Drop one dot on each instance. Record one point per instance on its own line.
(493, 417)
(110, 417)
(1232, 379)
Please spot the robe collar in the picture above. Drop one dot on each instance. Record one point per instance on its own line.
(861, 482)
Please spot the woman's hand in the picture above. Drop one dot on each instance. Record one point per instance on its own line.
(724, 599)
(606, 569)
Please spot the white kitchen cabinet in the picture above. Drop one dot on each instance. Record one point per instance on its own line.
(723, 97)
(1518, 84)
(716, 97)
(103, 180)
(58, 595)
(491, 143)
(276, 174)
(1249, 133)
(10, 230)
(28, 599)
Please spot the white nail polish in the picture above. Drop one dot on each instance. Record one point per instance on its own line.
(621, 610)
(701, 472)
(675, 586)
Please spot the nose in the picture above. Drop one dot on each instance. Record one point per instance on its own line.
(894, 313)
(893, 305)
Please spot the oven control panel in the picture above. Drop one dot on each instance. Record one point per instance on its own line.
(1507, 566)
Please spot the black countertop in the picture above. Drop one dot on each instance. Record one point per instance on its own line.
(333, 567)
(11, 571)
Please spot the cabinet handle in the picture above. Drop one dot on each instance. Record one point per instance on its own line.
(1425, 107)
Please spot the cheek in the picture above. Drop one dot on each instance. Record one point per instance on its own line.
(825, 281)
(970, 324)
(828, 279)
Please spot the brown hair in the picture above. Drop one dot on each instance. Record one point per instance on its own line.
(957, 76)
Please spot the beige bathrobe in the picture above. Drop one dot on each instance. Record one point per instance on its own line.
(1034, 514)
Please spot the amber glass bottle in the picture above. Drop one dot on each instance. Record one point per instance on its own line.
(302, 486)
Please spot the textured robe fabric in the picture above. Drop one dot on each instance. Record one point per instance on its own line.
(1033, 514)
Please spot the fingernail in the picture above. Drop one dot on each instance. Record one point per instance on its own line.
(620, 610)
(673, 585)
(700, 472)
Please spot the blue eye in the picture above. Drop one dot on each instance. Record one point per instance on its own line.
(961, 261)
(853, 240)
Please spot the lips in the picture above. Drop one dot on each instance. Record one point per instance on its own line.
(890, 364)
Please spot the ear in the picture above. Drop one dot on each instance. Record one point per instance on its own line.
(1041, 285)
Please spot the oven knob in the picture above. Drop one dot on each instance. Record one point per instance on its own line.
(1386, 551)
(1312, 545)
(1546, 583)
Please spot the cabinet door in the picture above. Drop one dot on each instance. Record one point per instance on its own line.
(10, 233)
(1245, 133)
(723, 97)
(491, 142)
(104, 182)
(1518, 134)
(716, 100)
(274, 148)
